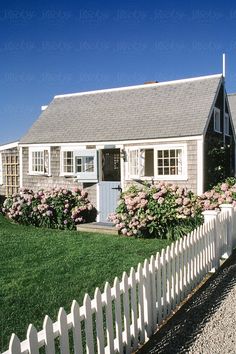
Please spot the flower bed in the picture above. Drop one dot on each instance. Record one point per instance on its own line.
(56, 208)
(162, 210)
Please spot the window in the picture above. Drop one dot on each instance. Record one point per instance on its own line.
(159, 162)
(226, 125)
(1, 170)
(39, 161)
(68, 162)
(217, 125)
(169, 162)
(86, 164)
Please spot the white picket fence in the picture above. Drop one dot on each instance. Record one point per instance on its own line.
(126, 315)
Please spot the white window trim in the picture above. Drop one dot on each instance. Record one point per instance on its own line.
(182, 177)
(227, 116)
(39, 149)
(1, 169)
(218, 111)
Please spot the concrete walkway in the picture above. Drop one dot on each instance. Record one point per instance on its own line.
(207, 323)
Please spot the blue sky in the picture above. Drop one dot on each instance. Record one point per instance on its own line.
(49, 48)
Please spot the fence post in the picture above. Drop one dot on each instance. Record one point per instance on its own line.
(229, 208)
(213, 215)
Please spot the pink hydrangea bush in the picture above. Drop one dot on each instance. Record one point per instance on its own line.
(56, 208)
(222, 193)
(163, 210)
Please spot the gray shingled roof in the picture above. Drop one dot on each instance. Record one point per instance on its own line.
(232, 105)
(173, 109)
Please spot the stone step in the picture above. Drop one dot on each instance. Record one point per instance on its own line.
(98, 227)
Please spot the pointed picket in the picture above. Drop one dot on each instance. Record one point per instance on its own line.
(63, 331)
(168, 280)
(127, 337)
(181, 269)
(88, 325)
(76, 327)
(49, 336)
(172, 256)
(140, 303)
(32, 337)
(188, 280)
(109, 320)
(194, 258)
(153, 293)
(14, 345)
(177, 275)
(118, 320)
(198, 254)
(147, 299)
(163, 282)
(158, 286)
(99, 321)
(184, 266)
(134, 317)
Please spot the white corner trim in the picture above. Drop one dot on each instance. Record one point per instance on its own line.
(200, 167)
(158, 84)
(43, 108)
(98, 202)
(21, 166)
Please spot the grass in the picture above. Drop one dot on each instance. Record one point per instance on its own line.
(42, 270)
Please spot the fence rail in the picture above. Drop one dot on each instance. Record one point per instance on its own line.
(128, 313)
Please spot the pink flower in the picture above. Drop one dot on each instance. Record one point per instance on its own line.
(161, 200)
(224, 187)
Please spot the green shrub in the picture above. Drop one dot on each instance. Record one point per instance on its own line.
(56, 208)
(162, 211)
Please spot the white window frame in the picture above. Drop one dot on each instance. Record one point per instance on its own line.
(217, 116)
(226, 119)
(1, 169)
(156, 148)
(183, 175)
(86, 176)
(40, 149)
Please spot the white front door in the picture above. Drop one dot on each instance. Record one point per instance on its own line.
(109, 184)
(109, 194)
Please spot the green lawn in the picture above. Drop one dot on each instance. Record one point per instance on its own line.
(41, 270)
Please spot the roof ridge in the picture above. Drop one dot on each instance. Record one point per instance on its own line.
(117, 89)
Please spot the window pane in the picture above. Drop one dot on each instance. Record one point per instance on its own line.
(38, 161)
(89, 164)
(171, 160)
(78, 164)
(133, 162)
(68, 162)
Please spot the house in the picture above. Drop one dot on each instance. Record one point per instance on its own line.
(9, 169)
(104, 140)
